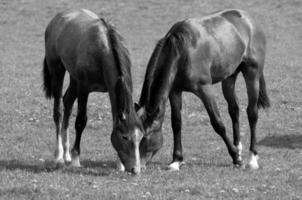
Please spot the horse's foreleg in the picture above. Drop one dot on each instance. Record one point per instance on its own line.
(68, 101)
(80, 124)
(205, 92)
(175, 102)
(228, 88)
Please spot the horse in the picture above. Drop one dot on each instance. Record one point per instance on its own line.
(195, 54)
(93, 53)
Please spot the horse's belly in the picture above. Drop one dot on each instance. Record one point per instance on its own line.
(93, 80)
(97, 88)
(212, 64)
(226, 60)
(219, 72)
(94, 84)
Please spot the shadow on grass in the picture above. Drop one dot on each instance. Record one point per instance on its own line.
(210, 164)
(13, 165)
(283, 141)
(25, 192)
(92, 168)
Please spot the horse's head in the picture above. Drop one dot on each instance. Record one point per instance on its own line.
(128, 130)
(153, 139)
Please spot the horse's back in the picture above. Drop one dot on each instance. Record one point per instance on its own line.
(250, 31)
(224, 40)
(78, 39)
(69, 31)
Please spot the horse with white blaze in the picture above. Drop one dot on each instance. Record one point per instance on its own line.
(93, 53)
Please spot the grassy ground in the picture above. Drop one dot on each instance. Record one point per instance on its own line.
(27, 138)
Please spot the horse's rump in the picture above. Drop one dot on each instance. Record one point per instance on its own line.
(88, 47)
(74, 36)
(218, 43)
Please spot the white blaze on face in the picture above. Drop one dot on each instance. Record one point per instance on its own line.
(137, 137)
(120, 165)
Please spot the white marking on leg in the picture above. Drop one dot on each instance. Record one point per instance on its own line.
(240, 147)
(175, 166)
(66, 145)
(59, 149)
(253, 163)
(75, 162)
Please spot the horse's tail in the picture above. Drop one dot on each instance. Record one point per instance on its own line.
(46, 81)
(263, 100)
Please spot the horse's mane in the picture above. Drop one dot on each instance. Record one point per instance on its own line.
(150, 72)
(174, 44)
(180, 37)
(120, 53)
(123, 87)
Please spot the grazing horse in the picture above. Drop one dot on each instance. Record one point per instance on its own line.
(195, 54)
(93, 53)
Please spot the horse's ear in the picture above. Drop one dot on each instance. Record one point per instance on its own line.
(136, 106)
(122, 98)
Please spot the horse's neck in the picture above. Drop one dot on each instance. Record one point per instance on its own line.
(161, 86)
(113, 96)
(155, 120)
(161, 73)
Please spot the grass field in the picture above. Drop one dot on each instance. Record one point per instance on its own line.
(27, 132)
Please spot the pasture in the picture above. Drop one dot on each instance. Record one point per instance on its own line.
(27, 131)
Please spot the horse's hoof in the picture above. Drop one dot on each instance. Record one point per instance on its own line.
(238, 164)
(75, 162)
(253, 163)
(143, 167)
(175, 166)
(59, 163)
(67, 158)
(252, 167)
(120, 166)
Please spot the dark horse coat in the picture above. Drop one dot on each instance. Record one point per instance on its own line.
(93, 53)
(195, 54)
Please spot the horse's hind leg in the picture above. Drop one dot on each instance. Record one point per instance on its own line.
(57, 78)
(251, 76)
(205, 92)
(68, 101)
(175, 102)
(228, 88)
(80, 124)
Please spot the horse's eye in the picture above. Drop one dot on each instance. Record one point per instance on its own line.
(126, 137)
(122, 117)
